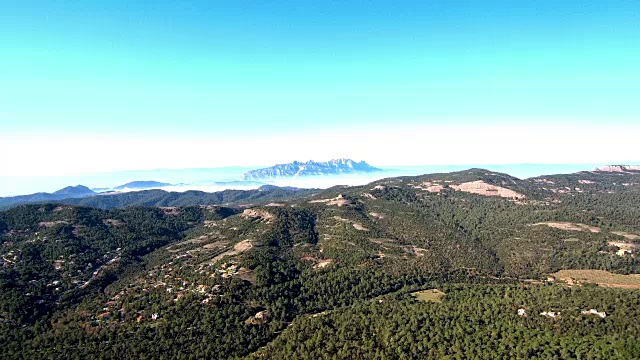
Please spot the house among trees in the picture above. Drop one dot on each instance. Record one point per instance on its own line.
(551, 314)
(594, 312)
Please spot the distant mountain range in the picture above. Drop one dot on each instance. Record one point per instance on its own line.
(69, 192)
(141, 185)
(81, 195)
(113, 197)
(310, 168)
(74, 192)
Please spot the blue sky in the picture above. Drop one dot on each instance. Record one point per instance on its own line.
(129, 72)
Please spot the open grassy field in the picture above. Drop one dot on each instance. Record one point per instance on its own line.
(431, 295)
(601, 277)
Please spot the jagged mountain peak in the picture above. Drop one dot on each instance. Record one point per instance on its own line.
(311, 168)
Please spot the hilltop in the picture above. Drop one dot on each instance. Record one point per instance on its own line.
(69, 192)
(74, 191)
(310, 168)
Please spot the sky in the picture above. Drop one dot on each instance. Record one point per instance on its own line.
(88, 86)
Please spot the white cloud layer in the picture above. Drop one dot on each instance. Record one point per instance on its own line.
(71, 155)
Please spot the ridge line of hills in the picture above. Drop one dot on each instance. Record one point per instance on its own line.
(474, 264)
(310, 168)
(81, 195)
(280, 171)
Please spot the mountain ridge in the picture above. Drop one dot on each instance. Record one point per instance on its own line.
(310, 168)
(475, 179)
(69, 192)
(141, 185)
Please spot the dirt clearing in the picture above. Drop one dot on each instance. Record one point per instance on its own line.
(482, 188)
(600, 277)
(239, 248)
(359, 227)
(340, 200)
(569, 226)
(431, 295)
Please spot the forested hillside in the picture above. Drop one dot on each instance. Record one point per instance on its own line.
(263, 195)
(347, 272)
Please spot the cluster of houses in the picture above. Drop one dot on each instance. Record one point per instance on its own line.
(165, 278)
(228, 270)
(553, 314)
(624, 252)
(10, 258)
(153, 317)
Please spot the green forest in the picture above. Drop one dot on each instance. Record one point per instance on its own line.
(330, 274)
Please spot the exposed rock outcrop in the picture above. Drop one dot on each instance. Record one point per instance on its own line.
(619, 168)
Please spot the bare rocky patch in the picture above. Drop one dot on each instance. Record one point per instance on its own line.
(600, 277)
(429, 187)
(257, 214)
(414, 250)
(359, 227)
(369, 196)
(340, 200)
(481, 188)
(276, 204)
(239, 248)
(323, 263)
(216, 245)
(569, 226)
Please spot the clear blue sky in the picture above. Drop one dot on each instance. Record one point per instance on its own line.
(237, 68)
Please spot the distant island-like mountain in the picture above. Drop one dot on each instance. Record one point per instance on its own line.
(74, 191)
(69, 192)
(141, 185)
(310, 168)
